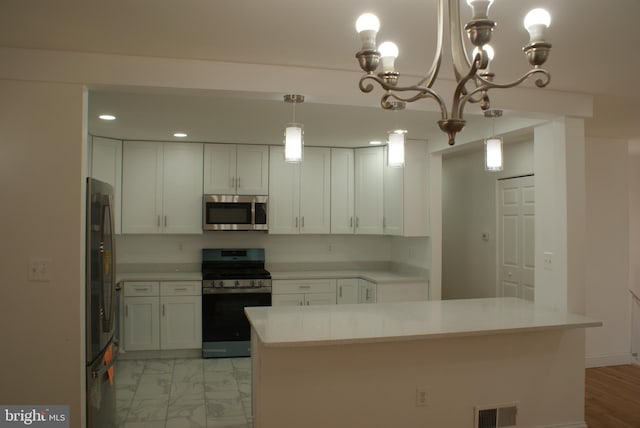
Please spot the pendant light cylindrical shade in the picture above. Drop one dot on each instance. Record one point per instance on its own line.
(293, 142)
(395, 154)
(493, 154)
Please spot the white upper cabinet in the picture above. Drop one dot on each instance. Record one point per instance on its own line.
(342, 191)
(106, 165)
(300, 194)
(406, 195)
(231, 169)
(393, 198)
(284, 193)
(315, 191)
(162, 187)
(369, 190)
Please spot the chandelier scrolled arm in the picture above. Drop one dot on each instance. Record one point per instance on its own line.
(466, 71)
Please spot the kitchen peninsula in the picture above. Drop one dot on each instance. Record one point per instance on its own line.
(416, 364)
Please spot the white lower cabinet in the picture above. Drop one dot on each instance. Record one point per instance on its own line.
(162, 315)
(304, 292)
(356, 290)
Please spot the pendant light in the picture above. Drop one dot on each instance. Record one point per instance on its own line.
(293, 133)
(395, 144)
(493, 145)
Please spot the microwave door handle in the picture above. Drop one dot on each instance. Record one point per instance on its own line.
(253, 208)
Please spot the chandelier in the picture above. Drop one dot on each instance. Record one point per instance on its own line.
(472, 74)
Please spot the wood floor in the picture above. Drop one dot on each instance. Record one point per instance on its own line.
(612, 397)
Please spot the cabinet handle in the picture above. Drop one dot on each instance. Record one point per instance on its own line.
(304, 287)
(233, 182)
(158, 221)
(350, 221)
(340, 291)
(126, 311)
(239, 182)
(384, 222)
(165, 221)
(296, 221)
(141, 289)
(307, 303)
(163, 309)
(302, 221)
(180, 289)
(357, 222)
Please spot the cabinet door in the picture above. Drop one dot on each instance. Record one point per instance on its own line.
(182, 184)
(348, 291)
(252, 170)
(142, 187)
(315, 191)
(368, 190)
(342, 191)
(106, 165)
(220, 169)
(292, 299)
(393, 195)
(367, 291)
(181, 322)
(320, 299)
(284, 191)
(141, 324)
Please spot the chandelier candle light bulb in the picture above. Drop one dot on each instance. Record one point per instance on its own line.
(368, 26)
(388, 54)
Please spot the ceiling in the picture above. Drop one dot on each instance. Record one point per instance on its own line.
(588, 38)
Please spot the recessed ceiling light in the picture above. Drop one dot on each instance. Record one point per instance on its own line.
(107, 117)
(180, 134)
(375, 143)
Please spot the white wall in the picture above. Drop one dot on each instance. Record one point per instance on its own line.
(634, 242)
(469, 210)
(42, 161)
(559, 156)
(607, 267)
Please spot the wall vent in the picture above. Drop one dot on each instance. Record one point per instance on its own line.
(503, 416)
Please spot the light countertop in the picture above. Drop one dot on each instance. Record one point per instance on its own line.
(377, 276)
(288, 326)
(160, 276)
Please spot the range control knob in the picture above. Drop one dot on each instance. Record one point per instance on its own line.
(252, 283)
(221, 284)
(237, 283)
(259, 283)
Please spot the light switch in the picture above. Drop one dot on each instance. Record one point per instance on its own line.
(39, 269)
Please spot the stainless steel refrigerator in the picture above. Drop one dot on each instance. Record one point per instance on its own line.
(100, 306)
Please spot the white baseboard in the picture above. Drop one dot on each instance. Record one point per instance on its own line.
(608, 360)
(571, 425)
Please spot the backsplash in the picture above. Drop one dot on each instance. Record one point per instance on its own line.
(184, 251)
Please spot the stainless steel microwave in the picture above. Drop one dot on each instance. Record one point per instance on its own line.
(234, 212)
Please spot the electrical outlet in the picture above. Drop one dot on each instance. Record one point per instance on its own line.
(547, 260)
(39, 270)
(421, 397)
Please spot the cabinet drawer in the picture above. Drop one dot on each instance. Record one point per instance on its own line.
(141, 288)
(181, 288)
(303, 286)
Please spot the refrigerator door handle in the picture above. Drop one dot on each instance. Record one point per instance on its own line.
(95, 374)
(107, 220)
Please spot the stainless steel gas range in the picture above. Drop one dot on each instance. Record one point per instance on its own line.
(232, 279)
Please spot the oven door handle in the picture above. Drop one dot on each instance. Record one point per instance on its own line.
(253, 290)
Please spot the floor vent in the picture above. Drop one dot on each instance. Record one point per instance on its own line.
(496, 417)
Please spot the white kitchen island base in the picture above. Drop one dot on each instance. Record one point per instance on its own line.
(368, 367)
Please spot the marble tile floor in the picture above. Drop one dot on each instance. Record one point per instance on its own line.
(184, 393)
